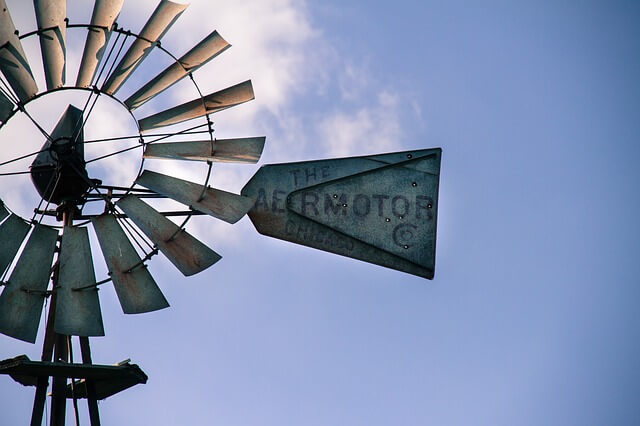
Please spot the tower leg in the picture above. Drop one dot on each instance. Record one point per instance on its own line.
(92, 401)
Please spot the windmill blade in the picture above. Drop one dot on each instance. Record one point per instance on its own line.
(13, 61)
(50, 16)
(212, 103)
(136, 289)
(6, 108)
(3, 211)
(188, 254)
(160, 21)
(77, 311)
(243, 150)
(12, 233)
(105, 13)
(203, 52)
(214, 202)
(22, 299)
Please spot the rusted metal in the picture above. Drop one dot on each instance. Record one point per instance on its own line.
(212, 46)
(50, 16)
(188, 254)
(78, 312)
(12, 232)
(22, 299)
(105, 13)
(165, 14)
(13, 61)
(92, 400)
(240, 150)
(215, 202)
(213, 103)
(136, 290)
(380, 209)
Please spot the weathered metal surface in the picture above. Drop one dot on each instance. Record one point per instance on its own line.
(188, 254)
(12, 233)
(109, 379)
(13, 61)
(213, 103)
(22, 299)
(77, 312)
(3, 211)
(158, 24)
(6, 108)
(136, 289)
(242, 150)
(380, 209)
(105, 13)
(203, 52)
(215, 202)
(50, 16)
(58, 171)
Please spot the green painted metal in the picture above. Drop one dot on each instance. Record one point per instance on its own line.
(23, 297)
(214, 202)
(77, 311)
(3, 211)
(380, 209)
(188, 254)
(12, 233)
(135, 287)
(6, 108)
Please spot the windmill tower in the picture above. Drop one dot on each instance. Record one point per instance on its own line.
(380, 208)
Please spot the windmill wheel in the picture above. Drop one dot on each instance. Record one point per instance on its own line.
(66, 169)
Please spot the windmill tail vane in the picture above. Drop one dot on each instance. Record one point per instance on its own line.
(380, 209)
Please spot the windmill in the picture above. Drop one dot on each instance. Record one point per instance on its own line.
(380, 209)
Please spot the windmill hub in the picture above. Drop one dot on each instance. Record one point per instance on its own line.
(59, 171)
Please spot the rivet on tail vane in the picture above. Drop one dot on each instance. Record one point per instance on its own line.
(213, 103)
(214, 202)
(158, 24)
(105, 13)
(77, 311)
(13, 60)
(136, 289)
(22, 300)
(203, 52)
(50, 16)
(188, 254)
(241, 150)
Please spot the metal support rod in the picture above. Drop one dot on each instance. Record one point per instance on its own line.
(92, 400)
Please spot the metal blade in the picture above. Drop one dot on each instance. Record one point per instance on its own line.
(13, 61)
(22, 299)
(380, 209)
(12, 233)
(105, 13)
(244, 150)
(6, 108)
(203, 52)
(214, 102)
(3, 211)
(136, 289)
(77, 311)
(214, 202)
(188, 254)
(160, 21)
(50, 16)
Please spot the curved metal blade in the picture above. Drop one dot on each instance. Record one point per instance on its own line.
(50, 15)
(13, 61)
(3, 211)
(136, 289)
(105, 13)
(6, 108)
(214, 202)
(203, 52)
(22, 299)
(160, 21)
(12, 233)
(243, 150)
(218, 101)
(77, 311)
(188, 254)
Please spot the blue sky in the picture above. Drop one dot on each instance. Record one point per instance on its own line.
(531, 318)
